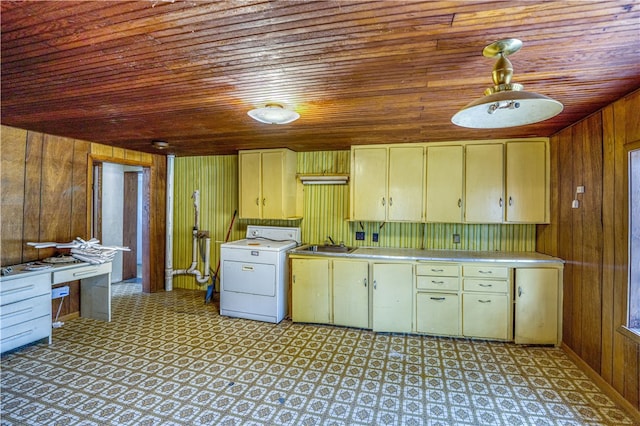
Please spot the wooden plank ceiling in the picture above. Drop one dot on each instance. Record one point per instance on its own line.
(126, 73)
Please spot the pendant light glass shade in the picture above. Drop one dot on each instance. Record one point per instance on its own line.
(507, 109)
(273, 114)
(505, 104)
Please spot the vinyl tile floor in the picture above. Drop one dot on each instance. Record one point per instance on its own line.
(169, 359)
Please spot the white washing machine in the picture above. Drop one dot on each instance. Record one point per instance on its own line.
(254, 274)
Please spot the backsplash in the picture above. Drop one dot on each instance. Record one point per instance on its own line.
(326, 211)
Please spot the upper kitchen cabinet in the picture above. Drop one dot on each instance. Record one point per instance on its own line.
(527, 182)
(444, 183)
(267, 184)
(387, 183)
(484, 183)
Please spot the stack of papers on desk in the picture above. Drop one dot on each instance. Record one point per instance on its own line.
(87, 251)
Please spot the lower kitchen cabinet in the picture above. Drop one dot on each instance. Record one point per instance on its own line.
(310, 290)
(350, 293)
(537, 306)
(486, 302)
(437, 313)
(485, 316)
(392, 297)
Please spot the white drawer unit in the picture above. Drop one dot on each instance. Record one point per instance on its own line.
(25, 311)
(81, 272)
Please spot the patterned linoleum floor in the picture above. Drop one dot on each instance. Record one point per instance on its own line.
(169, 359)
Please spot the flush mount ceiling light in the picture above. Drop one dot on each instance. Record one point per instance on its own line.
(273, 114)
(159, 144)
(505, 104)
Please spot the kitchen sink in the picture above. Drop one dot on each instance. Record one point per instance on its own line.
(327, 248)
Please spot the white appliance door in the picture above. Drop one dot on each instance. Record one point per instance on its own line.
(250, 278)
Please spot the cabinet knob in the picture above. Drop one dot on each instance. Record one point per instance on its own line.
(510, 201)
(390, 201)
(383, 201)
(459, 202)
(519, 291)
(264, 201)
(374, 284)
(365, 282)
(500, 202)
(258, 201)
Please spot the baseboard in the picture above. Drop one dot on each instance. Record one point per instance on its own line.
(606, 388)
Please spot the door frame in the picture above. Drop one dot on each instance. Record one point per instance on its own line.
(95, 160)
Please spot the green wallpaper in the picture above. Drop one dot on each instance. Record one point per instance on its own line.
(326, 208)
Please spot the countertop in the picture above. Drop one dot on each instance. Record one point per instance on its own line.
(380, 253)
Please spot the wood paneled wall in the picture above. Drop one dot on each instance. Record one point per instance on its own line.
(593, 240)
(44, 194)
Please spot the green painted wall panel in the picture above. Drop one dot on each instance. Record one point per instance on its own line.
(325, 213)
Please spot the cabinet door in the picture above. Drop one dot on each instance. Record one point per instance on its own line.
(351, 293)
(310, 290)
(406, 177)
(484, 178)
(392, 295)
(437, 313)
(250, 185)
(369, 184)
(526, 182)
(536, 310)
(444, 184)
(485, 315)
(272, 185)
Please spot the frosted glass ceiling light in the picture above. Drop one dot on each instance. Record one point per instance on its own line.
(505, 104)
(273, 114)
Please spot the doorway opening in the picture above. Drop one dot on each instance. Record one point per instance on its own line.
(117, 220)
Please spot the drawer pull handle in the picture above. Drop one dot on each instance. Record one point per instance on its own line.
(365, 282)
(485, 285)
(485, 272)
(375, 284)
(437, 270)
(17, 336)
(437, 282)
(484, 301)
(247, 268)
(82, 273)
(18, 289)
(17, 313)
(437, 299)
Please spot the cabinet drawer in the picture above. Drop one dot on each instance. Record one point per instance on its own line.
(25, 332)
(485, 316)
(485, 271)
(437, 313)
(24, 288)
(24, 310)
(80, 273)
(437, 269)
(485, 286)
(438, 283)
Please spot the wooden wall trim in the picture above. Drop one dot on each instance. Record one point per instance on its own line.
(606, 388)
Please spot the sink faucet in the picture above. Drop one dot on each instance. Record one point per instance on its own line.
(331, 239)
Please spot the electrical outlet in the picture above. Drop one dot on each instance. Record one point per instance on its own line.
(360, 235)
(374, 237)
(456, 238)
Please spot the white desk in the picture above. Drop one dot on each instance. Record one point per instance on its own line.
(25, 299)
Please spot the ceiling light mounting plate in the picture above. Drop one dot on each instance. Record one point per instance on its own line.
(504, 47)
